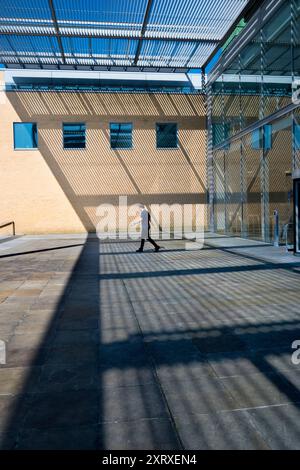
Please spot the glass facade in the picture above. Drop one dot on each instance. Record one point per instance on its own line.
(297, 215)
(166, 135)
(121, 135)
(25, 135)
(74, 136)
(255, 136)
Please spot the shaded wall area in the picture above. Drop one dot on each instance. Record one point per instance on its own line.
(56, 190)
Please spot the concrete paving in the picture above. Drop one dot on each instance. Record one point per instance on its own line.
(111, 349)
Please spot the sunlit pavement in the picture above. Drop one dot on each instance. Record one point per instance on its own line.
(108, 348)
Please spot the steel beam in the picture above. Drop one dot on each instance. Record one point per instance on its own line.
(249, 9)
(96, 67)
(143, 30)
(57, 33)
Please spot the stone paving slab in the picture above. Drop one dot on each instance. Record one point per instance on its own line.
(222, 431)
(258, 249)
(108, 348)
(12, 379)
(151, 434)
(278, 425)
(70, 438)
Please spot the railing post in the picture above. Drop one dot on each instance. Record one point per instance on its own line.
(276, 227)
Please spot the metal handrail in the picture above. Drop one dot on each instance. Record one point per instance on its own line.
(6, 224)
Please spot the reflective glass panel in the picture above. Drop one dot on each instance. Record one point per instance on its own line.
(25, 135)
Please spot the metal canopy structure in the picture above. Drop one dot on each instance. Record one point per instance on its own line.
(113, 34)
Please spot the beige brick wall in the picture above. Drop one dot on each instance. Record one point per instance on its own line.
(51, 190)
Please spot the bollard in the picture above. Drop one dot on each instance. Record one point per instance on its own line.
(276, 227)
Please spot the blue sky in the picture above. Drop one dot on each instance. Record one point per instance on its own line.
(213, 61)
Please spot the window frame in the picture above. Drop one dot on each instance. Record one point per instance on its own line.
(177, 140)
(121, 148)
(262, 137)
(66, 123)
(23, 149)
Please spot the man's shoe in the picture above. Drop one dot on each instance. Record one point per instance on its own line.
(139, 251)
(157, 248)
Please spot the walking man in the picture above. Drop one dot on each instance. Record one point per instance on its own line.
(145, 222)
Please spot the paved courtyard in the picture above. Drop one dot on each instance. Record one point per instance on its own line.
(110, 349)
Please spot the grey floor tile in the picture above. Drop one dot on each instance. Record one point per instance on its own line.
(77, 338)
(73, 354)
(208, 343)
(14, 380)
(129, 376)
(260, 389)
(25, 357)
(279, 425)
(143, 434)
(194, 396)
(183, 372)
(83, 324)
(123, 355)
(132, 403)
(219, 431)
(50, 410)
(173, 351)
(236, 363)
(10, 407)
(7, 440)
(65, 438)
(68, 377)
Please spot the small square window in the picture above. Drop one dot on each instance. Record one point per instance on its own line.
(25, 135)
(121, 135)
(166, 136)
(74, 135)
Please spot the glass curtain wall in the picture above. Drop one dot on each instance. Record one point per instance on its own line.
(255, 132)
(233, 198)
(278, 179)
(252, 195)
(219, 190)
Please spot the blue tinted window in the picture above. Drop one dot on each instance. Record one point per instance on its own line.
(257, 139)
(25, 135)
(217, 133)
(74, 136)
(297, 137)
(166, 135)
(220, 132)
(262, 138)
(121, 135)
(268, 136)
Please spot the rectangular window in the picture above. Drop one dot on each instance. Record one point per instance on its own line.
(268, 136)
(262, 138)
(166, 136)
(74, 135)
(121, 135)
(25, 135)
(220, 133)
(297, 136)
(257, 139)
